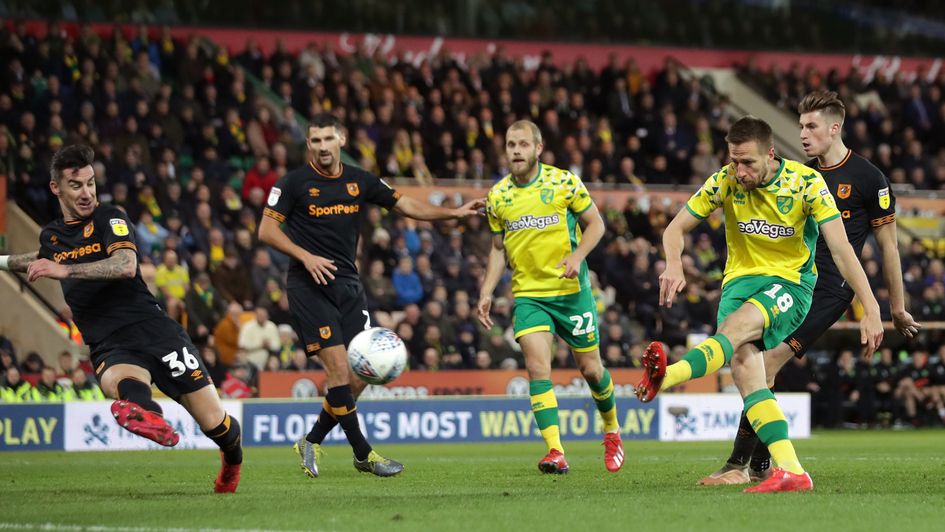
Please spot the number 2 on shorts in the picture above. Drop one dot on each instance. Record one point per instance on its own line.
(579, 328)
(177, 367)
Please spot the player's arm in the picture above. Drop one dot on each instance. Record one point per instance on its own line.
(422, 210)
(494, 270)
(871, 327)
(122, 264)
(673, 279)
(17, 263)
(886, 237)
(272, 234)
(593, 231)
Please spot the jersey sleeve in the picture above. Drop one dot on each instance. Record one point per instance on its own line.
(708, 197)
(492, 205)
(379, 192)
(818, 201)
(281, 200)
(117, 230)
(579, 199)
(880, 201)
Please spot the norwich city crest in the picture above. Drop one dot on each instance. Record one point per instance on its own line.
(785, 204)
(547, 195)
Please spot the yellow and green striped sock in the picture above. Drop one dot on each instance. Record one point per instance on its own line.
(703, 359)
(768, 421)
(603, 394)
(545, 408)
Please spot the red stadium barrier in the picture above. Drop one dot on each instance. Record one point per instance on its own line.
(464, 382)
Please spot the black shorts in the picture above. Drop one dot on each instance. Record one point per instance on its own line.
(327, 315)
(827, 306)
(162, 347)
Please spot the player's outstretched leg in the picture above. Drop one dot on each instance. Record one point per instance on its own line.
(766, 416)
(138, 413)
(705, 358)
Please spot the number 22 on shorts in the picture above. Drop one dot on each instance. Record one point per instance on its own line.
(579, 327)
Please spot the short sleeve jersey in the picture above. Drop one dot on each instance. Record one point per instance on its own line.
(773, 229)
(323, 213)
(865, 202)
(539, 224)
(99, 307)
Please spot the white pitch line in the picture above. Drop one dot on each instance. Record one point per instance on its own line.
(99, 528)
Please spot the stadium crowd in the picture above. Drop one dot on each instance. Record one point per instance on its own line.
(189, 148)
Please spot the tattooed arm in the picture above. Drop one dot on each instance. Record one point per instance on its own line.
(17, 263)
(123, 264)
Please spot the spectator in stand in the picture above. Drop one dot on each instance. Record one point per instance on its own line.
(48, 389)
(236, 384)
(406, 283)
(14, 388)
(204, 309)
(230, 279)
(84, 389)
(226, 334)
(171, 278)
(259, 337)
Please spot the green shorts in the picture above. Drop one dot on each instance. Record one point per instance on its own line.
(572, 317)
(783, 303)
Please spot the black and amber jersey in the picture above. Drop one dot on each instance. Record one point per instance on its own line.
(865, 202)
(99, 307)
(323, 213)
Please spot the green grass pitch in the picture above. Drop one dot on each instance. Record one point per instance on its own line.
(863, 480)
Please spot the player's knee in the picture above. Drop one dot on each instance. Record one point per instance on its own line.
(591, 368)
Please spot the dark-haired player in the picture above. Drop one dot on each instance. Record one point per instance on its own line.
(91, 250)
(321, 205)
(866, 205)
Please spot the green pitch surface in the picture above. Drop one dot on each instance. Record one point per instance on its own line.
(863, 480)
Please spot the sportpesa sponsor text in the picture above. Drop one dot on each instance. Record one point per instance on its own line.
(532, 222)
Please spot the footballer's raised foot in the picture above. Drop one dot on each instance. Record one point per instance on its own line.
(781, 480)
(138, 420)
(554, 463)
(728, 475)
(378, 465)
(654, 371)
(309, 454)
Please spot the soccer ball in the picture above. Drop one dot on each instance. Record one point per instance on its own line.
(377, 355)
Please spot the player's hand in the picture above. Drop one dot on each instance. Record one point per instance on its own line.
(470, 208)
(320, 268)
(482, 310)
(672, 282)
(871, 334)
(46, 268)
(905, 324)
(572, 267)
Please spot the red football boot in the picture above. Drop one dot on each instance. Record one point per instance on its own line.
(229, 477)
(781, 480)
(613, 452)
(654, 370)
(136, 419)
(553, 462)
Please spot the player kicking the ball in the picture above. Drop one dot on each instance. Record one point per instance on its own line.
(91, 250)
(773, 208)
(533, 214)
(866, 204)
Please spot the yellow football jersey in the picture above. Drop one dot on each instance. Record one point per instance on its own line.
(539, 224)
(773, 229)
